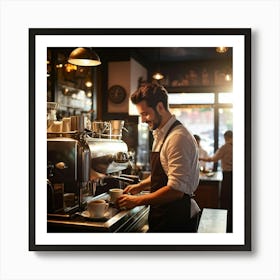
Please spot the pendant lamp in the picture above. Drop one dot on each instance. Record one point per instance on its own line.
(221, 49)
(158, 75)
(84, 57)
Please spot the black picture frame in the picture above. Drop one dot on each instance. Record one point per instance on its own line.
(35, 34)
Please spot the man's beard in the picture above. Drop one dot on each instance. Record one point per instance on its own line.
(156, 123)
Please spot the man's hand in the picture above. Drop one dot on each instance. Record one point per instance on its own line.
(132, 189)
(128, 201)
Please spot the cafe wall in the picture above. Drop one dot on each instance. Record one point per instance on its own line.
(123, 79)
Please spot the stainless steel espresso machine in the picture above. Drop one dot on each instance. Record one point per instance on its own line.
(83, 162)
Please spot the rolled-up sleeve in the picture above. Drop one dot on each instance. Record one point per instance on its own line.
(179, 159)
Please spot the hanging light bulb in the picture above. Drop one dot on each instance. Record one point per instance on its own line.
(84, 57)
(88, 84)
(158, 75)
(228, 77)
(221, 49)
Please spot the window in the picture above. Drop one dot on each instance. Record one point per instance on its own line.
(208, 115)
(225, 123)
(191, 98)
(200, 121)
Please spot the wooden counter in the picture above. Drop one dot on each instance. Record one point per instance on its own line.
(213, 221)
(208, 191)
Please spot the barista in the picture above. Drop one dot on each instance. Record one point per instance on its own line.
(174, 166)
(224, 153)
(201, 153)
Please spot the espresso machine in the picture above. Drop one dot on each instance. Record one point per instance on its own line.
(82, 157)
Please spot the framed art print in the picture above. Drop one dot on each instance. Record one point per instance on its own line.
(61, 92)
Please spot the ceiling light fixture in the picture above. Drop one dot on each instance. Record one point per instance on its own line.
(228, 77)
(221, 49)
(84, 57)
(158, 75)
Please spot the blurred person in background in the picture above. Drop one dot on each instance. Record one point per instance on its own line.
(224, 153)
(201, 153)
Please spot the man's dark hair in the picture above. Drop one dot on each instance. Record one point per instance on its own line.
(228, 134)
(197, 138)
(152, 94)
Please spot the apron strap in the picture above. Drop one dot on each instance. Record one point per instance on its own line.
(169, 130)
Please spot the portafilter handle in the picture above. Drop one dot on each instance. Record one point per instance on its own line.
(123, 179)
(135, 178)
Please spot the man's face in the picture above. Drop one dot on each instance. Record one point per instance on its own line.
(149, 115)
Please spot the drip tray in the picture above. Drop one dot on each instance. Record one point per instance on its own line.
(115, 220)
(110, 213)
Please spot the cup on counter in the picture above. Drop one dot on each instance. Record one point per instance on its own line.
(97, 208)
(115, 194)
(66, 124)
(55, 126)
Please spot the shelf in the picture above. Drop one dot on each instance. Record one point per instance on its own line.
(199, 89)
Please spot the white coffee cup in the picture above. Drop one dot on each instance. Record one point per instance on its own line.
(115, 194)
(66, 124)
(97, 208)
(55, 126)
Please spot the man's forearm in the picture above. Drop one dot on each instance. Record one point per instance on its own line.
(163, 195)
(145, 184)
